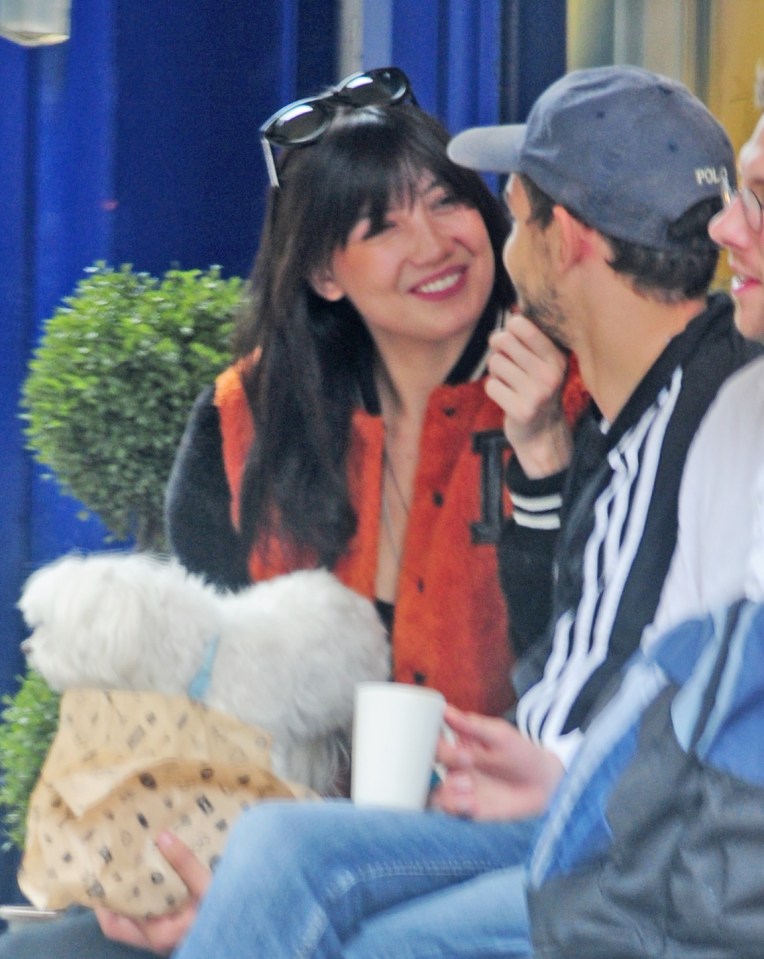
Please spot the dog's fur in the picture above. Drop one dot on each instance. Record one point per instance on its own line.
(290, 649)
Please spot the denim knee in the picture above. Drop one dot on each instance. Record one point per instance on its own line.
(282, 837)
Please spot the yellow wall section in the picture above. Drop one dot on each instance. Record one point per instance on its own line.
(714, 46)
(736, 46)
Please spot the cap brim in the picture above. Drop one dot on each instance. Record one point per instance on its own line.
(491, 149)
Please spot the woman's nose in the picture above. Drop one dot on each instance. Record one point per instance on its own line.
(429, 241)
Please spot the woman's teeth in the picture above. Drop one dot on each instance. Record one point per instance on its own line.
(442, 283)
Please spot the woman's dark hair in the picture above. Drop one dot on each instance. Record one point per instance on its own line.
(668, 276)
(314, 353)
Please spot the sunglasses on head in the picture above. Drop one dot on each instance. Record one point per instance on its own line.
(305, 121)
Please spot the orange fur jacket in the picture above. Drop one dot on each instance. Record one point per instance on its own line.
(450, 628)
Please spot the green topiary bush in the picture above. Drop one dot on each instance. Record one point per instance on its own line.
(28, 723)
(112, 381)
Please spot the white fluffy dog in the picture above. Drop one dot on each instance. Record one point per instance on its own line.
(287, 652)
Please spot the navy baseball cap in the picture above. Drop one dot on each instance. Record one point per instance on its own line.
(627, 150)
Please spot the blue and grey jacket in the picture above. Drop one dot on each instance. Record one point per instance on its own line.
(654, 843)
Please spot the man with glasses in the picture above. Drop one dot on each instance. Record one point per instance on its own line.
(720, 545)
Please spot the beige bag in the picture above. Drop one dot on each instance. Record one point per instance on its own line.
(122, 767)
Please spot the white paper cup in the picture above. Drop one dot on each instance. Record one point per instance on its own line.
(395, 733)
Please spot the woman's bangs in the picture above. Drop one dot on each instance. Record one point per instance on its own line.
(376, 160)
(359, 187)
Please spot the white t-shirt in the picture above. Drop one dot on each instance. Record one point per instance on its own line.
(720, 543)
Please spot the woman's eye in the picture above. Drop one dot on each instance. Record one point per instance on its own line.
(446, 200)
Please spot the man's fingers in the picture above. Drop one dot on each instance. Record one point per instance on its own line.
(121, 928)
(527, 333)
(194, 874)
(522, 342)
(474, 728)
(456, 795)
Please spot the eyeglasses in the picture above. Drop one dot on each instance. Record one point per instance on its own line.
(752, 211)
(305, 121)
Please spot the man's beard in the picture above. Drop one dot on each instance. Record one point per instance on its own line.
(543, 310)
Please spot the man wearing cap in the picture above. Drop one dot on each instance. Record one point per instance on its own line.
(614, 180)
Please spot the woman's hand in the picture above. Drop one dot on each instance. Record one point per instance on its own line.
(527, 373)
(492, 770)
(163, 933)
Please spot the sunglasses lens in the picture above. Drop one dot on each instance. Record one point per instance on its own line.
(300, 123)
(305, 120)
(378, 86)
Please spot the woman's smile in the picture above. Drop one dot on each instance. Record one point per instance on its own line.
(443, 285)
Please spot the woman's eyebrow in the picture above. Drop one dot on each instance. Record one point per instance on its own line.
(431, 185)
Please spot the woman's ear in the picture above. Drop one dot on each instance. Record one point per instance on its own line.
(323, 283)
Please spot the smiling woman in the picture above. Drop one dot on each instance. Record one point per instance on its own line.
(354, 431)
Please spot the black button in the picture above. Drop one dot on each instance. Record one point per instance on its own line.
(420, 585)
(449, 410)
(437, 498)
(420, 679)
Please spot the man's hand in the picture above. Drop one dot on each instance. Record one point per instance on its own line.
(527, 372)
(164, 933)
(492, 770)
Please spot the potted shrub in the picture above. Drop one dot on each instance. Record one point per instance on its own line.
(29, 722)
(109, 388)
(112, 381)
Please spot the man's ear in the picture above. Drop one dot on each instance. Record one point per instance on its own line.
(574, 240)
(326, 286)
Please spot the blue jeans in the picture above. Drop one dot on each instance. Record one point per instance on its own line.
(74, 935)
(319, 880)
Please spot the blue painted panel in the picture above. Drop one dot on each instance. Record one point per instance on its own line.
(452, 52)
(534, 52)
(14, 335)
(185, 129)
(71, 118)
(416, 46)
(190, 179)
(378, 35)
(316, 52)
(474, 63)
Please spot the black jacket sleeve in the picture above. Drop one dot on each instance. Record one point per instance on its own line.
(526, 554)
(198, 503)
